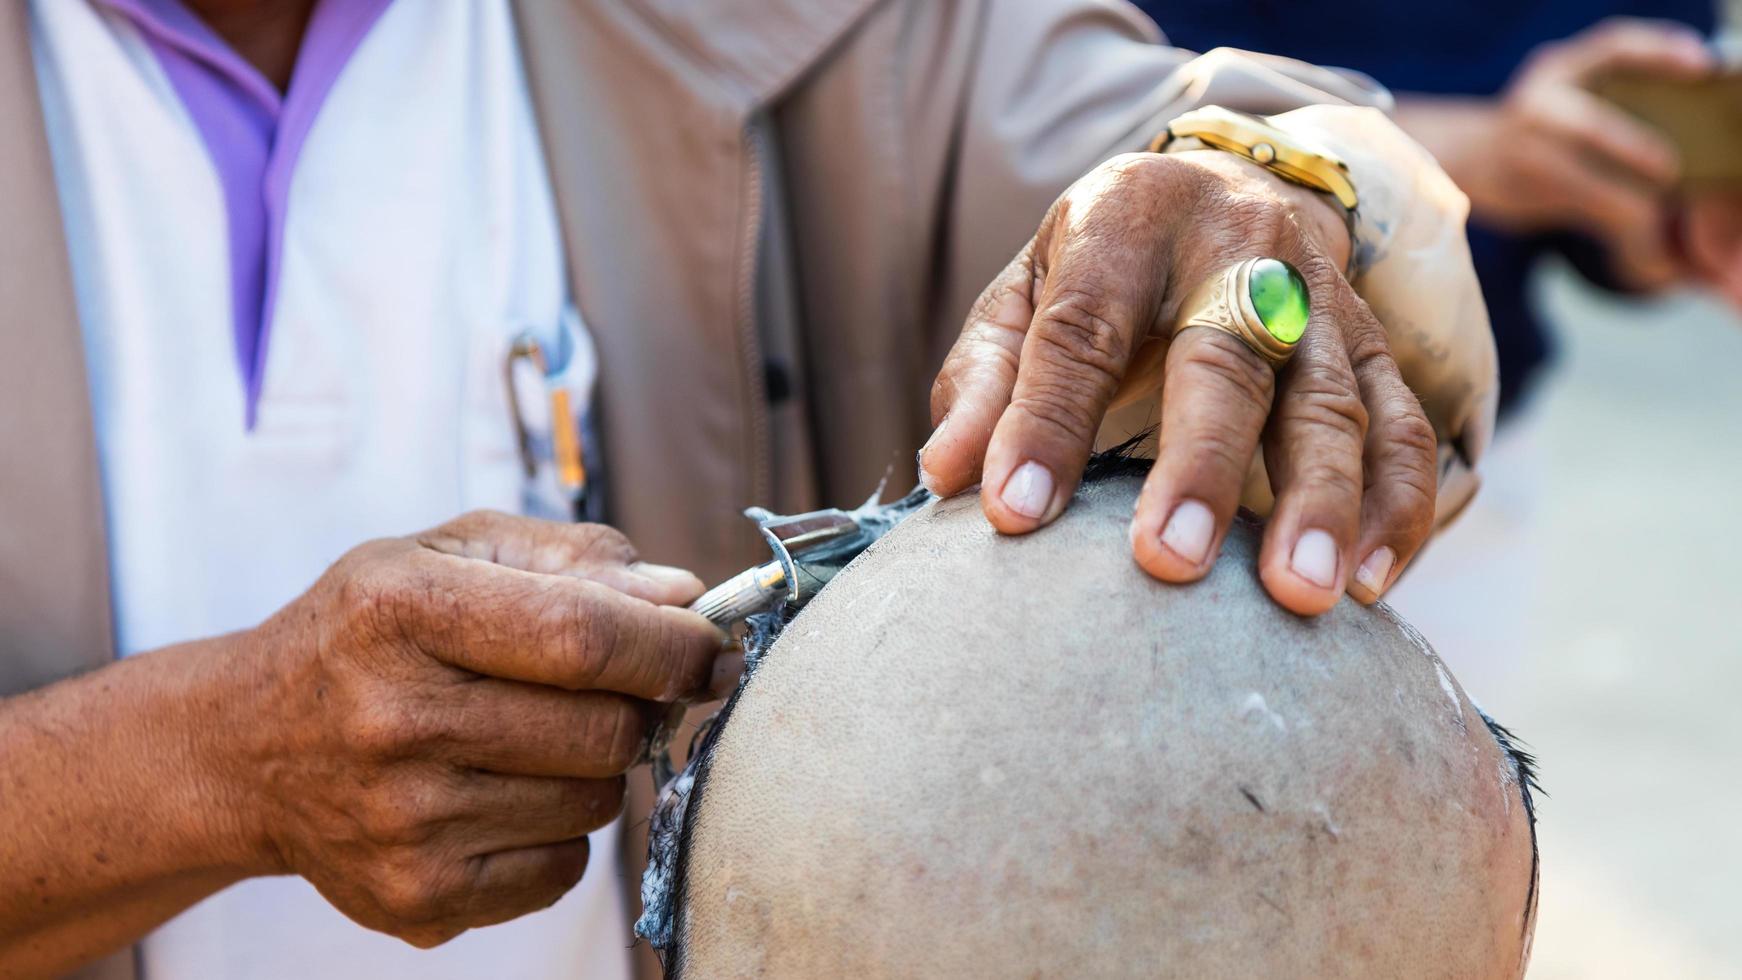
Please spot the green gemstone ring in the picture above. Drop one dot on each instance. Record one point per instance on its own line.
(1262, 301)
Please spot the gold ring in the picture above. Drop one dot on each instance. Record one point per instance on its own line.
(1262, 301)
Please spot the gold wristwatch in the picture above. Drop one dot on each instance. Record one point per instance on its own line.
(1257, 140)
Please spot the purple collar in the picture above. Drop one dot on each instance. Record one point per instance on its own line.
(254, 136)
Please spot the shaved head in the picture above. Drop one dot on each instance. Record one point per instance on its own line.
(978, 755)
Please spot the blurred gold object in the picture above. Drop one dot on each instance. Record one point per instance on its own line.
(1701, 117)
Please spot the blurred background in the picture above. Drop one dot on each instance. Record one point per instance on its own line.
(1606, 632)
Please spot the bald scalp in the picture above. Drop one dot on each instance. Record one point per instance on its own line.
(977, 755)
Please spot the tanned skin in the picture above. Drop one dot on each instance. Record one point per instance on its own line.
(268, 33)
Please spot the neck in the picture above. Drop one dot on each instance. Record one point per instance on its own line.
(268, 33)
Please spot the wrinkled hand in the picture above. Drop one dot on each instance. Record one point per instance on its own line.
(1088, 305)
(1553, 155)
(445, 717)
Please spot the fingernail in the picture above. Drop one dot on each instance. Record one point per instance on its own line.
(1029, 490)
(665, 574)
(1188, 531)
(1376, 570)
(1315, 558)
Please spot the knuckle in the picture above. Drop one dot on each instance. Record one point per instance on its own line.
(985, 308)
(946, 387)
(371, 594)
(388, 819)
(1221, 450)
(1140, 164)
(1162, 175)
(683, 660)
(1369, 348)
(1331, 479)
(413, 894)
(989, 309)
(979, 355)
(1412, 482)
(1226, 361)
(1259, 219)
(1322, 397)
(480, 518)
(1062, 408)
(1322, 275)
(388, 597)
(602, 541)
(615, 735)
(1112, 179)
(471, 525)
(381, 728)
(379, 819)
(1409, 434)
(1076, 334)
(943, 391)
(1330, 421)
(583, 633)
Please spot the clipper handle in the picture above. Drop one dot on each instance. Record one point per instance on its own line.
(750, 591)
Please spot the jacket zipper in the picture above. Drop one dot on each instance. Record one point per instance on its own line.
(749, 337)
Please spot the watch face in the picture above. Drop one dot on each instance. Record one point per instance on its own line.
(1257, 140)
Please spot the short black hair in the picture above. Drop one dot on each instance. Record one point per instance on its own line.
(668, 844)
(1524, 774)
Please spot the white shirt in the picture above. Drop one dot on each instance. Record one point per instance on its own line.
(421, 238)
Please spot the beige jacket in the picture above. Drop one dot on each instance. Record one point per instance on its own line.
(776, 214)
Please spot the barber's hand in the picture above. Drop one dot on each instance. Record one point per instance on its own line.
(1550, 154)
(445, 717)
(1048, 344)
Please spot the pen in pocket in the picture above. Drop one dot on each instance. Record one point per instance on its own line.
(565, 449)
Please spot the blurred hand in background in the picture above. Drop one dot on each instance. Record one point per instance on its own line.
(1712, 240)
(1549, 154)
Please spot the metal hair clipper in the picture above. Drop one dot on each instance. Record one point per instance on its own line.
(809, 549)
